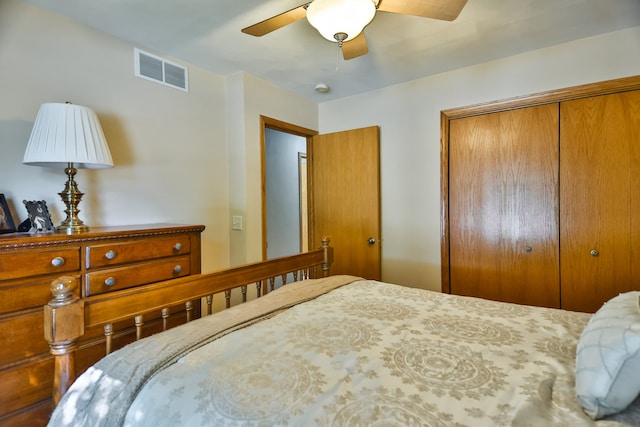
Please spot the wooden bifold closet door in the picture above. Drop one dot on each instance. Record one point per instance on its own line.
(541, 197)
(600, 199)
(503, 206)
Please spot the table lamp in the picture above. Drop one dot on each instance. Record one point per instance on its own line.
(70, 136)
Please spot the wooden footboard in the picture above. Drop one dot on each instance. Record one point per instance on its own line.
(67, 315)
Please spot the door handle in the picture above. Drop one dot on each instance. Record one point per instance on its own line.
(371, 241)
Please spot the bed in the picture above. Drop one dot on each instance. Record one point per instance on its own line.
(345, 351)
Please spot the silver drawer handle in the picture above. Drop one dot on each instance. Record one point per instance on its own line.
(177, 247)
(528, 249)
(110, 281)
(110, 254)
(594, 252)
(57, 261)
(177, 269)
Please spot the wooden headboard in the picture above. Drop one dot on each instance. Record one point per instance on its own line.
(68, 315)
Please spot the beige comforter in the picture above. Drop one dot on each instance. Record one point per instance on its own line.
(366, 353)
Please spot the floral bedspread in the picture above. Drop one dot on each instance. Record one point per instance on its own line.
(371, 353)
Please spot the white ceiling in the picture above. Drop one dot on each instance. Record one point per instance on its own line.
(401, 48)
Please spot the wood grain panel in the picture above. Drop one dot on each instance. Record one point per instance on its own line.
(25, 328)
(21, 295)
(36, 415)
(143, 273)
(600, 207)
(503, 206)
(133, 251)
(344, 174)
(29, 264)
(26, 384)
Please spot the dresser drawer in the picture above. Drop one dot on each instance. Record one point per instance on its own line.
(126, 277)
(15, 265)
(19, 295)
(139, 250)
(24, 328)
(25, 385)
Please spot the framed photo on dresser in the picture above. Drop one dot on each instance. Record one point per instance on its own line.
(39, 215)
(6, 221)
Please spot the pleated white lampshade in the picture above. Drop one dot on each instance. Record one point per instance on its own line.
(68, 136)
(67, 133)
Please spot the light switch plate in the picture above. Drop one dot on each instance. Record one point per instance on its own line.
(236, 222)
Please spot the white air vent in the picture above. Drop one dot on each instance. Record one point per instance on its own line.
(154, 68)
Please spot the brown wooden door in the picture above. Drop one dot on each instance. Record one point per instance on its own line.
(600, 199)
(344, 198)
(503, 206)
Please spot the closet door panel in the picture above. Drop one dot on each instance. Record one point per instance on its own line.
(503, 206)
(600, 199)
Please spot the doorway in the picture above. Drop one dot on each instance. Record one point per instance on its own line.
(285, 187)
(284, 181)
(343, 197)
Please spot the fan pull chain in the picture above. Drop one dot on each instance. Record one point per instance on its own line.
(340, 37)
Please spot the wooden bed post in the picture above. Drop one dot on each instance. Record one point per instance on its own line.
(328, 256)
(63, 326)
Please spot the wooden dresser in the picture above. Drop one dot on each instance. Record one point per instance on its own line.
(102, 260)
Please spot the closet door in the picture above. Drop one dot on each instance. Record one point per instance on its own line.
(503, 206)
(600, 199)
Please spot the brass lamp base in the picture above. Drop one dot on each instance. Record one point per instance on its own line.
(71, 197)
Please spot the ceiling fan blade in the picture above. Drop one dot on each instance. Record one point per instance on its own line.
(355, 47)
(446, 10)
(278, 21)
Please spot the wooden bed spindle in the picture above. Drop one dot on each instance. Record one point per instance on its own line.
(188, 306)
(164, 313)
(139, 321)
(63, 326)
(243, 289)
(227, 298)
(108, 338)
(209, 304)
(328, 256)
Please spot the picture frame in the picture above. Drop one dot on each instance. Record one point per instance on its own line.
(39, 216)
(6, 221)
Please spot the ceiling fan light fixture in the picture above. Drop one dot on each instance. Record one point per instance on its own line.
(331, 17)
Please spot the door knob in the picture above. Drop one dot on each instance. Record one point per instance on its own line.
(371, 241)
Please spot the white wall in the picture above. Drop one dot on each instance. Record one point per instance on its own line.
(169, 147)
(409, 119)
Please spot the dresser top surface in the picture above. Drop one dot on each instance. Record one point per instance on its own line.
(14, 240)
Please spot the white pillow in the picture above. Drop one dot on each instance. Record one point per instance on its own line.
(608, 357)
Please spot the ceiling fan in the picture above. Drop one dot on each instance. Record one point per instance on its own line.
(343, 21)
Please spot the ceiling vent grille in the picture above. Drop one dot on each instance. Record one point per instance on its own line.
(159, 70)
